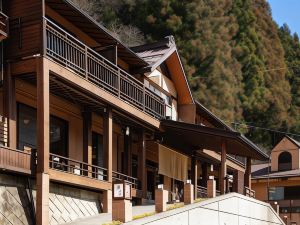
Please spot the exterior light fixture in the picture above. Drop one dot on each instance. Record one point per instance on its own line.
(188, 181)
(211, 167)
(211, 177)
(127, 132)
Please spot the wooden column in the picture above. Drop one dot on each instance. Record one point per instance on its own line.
(87, 139)
(248, 173)
(238, 181)
(10, 108)
(223, 168)
(204, 174)
(142, 164)
(107, 141)
(43, 142)
(194, 174)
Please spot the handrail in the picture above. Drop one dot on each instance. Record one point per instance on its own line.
(249, 192)
(3, 131)
(93, 67)
(201, 192)
(77, 167)
(122, 177)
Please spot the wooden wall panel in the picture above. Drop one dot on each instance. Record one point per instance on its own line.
(25, 34)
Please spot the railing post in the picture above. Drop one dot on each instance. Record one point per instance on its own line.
(86, 62)
(119, 83)
(144, 97)
(44, 45)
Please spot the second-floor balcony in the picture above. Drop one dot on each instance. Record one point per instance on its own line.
(73, 54)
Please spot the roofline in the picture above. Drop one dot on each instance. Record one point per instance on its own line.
(72, 4)
(224, 133)
(291, 139)
(213, 116)
(274, 177)
(185, 77)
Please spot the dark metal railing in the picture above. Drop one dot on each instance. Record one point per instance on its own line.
(249, 192)
(3, 26)
(77, 167)
(93, 67)
(122, 177)
(201, 192)
(3, 131)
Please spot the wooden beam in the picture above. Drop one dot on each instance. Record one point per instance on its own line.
(223, 169)
(248, 173)
(43, 142)
(142, 164)
(107, 141)
(79, 181)
(11, 107)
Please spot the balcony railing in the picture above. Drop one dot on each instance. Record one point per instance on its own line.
(3, 131)
(201, 192)
(249, 193)
(3, 26)
(122, 177)
(91, 66)
(76, 167)
(16, 160)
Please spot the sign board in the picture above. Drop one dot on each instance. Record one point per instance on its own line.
(121, 190)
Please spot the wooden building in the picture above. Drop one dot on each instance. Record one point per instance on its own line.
(278, 181)
(80, 110)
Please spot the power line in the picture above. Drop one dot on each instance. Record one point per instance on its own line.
(264, 128)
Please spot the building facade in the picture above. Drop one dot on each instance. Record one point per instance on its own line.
(80, 110)
(278, 182)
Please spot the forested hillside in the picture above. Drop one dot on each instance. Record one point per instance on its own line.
(240, 64)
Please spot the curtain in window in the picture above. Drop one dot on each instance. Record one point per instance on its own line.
(172, 163)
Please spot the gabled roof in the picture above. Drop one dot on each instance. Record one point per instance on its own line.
(165, 51)
(293, 140)
(91, 27)
(156, 53)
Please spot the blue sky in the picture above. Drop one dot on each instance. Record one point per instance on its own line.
(287, 11)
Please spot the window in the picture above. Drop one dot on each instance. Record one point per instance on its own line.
(276, 193)
(285, 161)
(27, 131)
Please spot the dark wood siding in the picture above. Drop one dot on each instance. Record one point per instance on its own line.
(25, 23)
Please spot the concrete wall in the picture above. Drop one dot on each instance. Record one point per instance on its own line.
(65, 203)
(230, 209)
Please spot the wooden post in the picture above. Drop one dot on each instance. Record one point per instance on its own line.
(43, 142)
(238, 181)
(10, 108)
(107, 141)
(87, 140)
(194, 174)
(248, 173)
(142, 165)
(223, 168)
